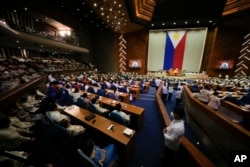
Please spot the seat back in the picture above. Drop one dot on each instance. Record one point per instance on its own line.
(87, 161)
(117, 118)
(124, 90)
(245, 100)
(80, 103)
(100, 92)
(112, 87)
(111, 96)
(91, 89)
(92, 108)
(51, 120)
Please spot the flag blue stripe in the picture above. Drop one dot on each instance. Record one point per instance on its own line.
(169, 54)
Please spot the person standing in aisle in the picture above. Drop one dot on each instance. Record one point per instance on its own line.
(157, 82)
(170, 92)
(164, 92)
(172, 137)
(178, 97)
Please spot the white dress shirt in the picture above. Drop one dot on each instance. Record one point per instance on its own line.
(174, 133)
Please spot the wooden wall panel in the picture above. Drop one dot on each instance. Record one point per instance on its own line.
(137, 48)
(227, 45)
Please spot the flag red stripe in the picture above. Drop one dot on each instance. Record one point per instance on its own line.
(179, 53)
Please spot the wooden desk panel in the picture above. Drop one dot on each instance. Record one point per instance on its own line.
(80, 114)
(137, 113)
(126, 143)
(124, 96)
(116, 133)
(135, 91)
(147, 85)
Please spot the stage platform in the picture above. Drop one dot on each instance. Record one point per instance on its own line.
(180, 76)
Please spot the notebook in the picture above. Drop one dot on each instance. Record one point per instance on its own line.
(90, 116)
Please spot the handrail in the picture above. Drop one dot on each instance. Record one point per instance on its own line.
(12, 95)
(196, 155)
(216, 131)
(220, 118)
(235, 108)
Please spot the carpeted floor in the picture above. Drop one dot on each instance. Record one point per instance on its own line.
(149, 140)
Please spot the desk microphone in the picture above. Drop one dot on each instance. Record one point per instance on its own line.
(111, 127)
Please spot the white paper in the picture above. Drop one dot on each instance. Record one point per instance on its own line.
(128, 131)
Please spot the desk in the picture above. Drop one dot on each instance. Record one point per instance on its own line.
(137, 113)
(175, 72)
(123, 96)
(135, 91)
(126, 143)
(147, 85)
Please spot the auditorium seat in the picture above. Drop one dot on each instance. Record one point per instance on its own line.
(117, 118)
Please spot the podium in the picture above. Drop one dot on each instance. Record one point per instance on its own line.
(173, 72)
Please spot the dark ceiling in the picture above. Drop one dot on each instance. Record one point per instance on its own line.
(120, 16)
(166, 14)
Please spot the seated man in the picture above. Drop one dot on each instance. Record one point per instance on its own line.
(12, 138)
(64, 121)
(96, 103)
(117, 109)
(101, 156)
(29, 107)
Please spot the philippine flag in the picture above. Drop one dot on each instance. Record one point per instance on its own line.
(174, 50)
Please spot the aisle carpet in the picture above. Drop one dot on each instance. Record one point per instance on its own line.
(149, 140)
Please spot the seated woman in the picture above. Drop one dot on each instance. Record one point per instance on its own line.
(101, 156)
